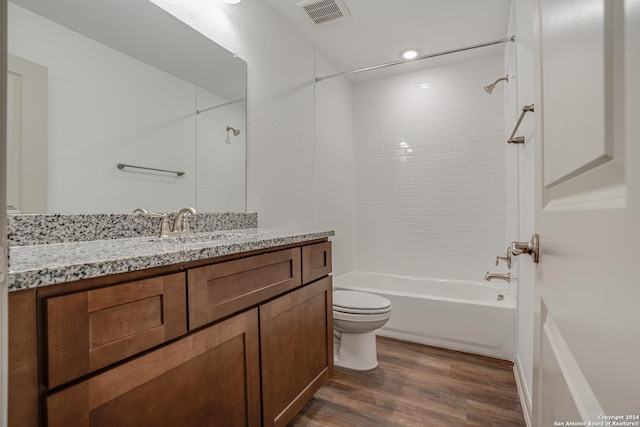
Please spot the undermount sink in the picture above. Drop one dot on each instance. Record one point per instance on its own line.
(208, 237)
(205, 237)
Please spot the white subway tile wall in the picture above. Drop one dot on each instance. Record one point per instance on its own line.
(429, 171)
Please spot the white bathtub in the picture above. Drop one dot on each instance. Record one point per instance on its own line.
(475, 317)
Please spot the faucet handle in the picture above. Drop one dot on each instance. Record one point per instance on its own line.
(185, 225)
(506, 257)
(164, 226)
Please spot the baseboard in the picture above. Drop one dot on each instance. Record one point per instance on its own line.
(523, 392)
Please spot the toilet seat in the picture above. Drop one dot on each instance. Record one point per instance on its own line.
(354, 302)
(360, 318)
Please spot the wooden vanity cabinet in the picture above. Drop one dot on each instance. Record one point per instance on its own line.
(296, 328)
(241, 341)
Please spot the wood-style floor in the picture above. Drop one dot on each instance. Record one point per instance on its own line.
(418, 385)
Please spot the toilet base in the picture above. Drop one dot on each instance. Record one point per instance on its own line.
(357, 351)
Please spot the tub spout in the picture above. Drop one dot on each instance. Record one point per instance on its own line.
(490, 276)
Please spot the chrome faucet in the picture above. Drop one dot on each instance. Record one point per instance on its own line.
(181, 223)
(490, 276)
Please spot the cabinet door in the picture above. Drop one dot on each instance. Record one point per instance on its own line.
(89, 330)
(296, 338)
(316, 261)
(218, 290)
(22, 400)
(209, 378)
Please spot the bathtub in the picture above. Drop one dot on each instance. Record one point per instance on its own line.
(475, 317)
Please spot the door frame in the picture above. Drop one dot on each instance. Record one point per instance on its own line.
(4, 317)
(27, 143)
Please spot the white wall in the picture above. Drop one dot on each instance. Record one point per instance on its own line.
(430, 172)
(334, 163)
(280, 105)
(96, 121)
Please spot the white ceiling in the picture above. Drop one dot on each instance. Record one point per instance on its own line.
(379, 30)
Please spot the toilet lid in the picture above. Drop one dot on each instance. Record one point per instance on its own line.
(360, 302)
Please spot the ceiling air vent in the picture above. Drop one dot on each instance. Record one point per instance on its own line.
(324, 11)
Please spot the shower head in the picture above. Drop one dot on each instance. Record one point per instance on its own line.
(489, 88)
(236, 132)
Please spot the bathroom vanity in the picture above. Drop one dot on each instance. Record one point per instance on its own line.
(243, 338)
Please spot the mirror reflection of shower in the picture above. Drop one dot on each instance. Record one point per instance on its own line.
(492, 86)
(204, 110)
(235, 132)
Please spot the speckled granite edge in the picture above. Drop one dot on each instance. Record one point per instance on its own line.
(39, 229)
(41, 265)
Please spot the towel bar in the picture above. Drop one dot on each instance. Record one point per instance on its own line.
(519, 139)
(124, 165)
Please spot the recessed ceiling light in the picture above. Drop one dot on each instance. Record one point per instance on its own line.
(409, 54)
(231, 1)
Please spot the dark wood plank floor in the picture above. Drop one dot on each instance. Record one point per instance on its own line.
(418, 385)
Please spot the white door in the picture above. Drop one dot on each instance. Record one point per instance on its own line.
(587, 361)
(26, 136)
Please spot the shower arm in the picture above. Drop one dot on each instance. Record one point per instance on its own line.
(519, 139)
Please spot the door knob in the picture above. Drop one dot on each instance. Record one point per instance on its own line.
(532, 247)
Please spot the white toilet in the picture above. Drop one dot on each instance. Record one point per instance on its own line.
(356, 316)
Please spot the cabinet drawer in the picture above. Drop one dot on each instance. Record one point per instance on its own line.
(218, 290)
(316, 261)
(89, 330)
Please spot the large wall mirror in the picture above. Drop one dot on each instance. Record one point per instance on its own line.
(101, 83)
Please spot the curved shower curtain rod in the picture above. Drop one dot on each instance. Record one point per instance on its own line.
(417, 58)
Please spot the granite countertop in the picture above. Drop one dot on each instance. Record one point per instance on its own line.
(47, 264)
